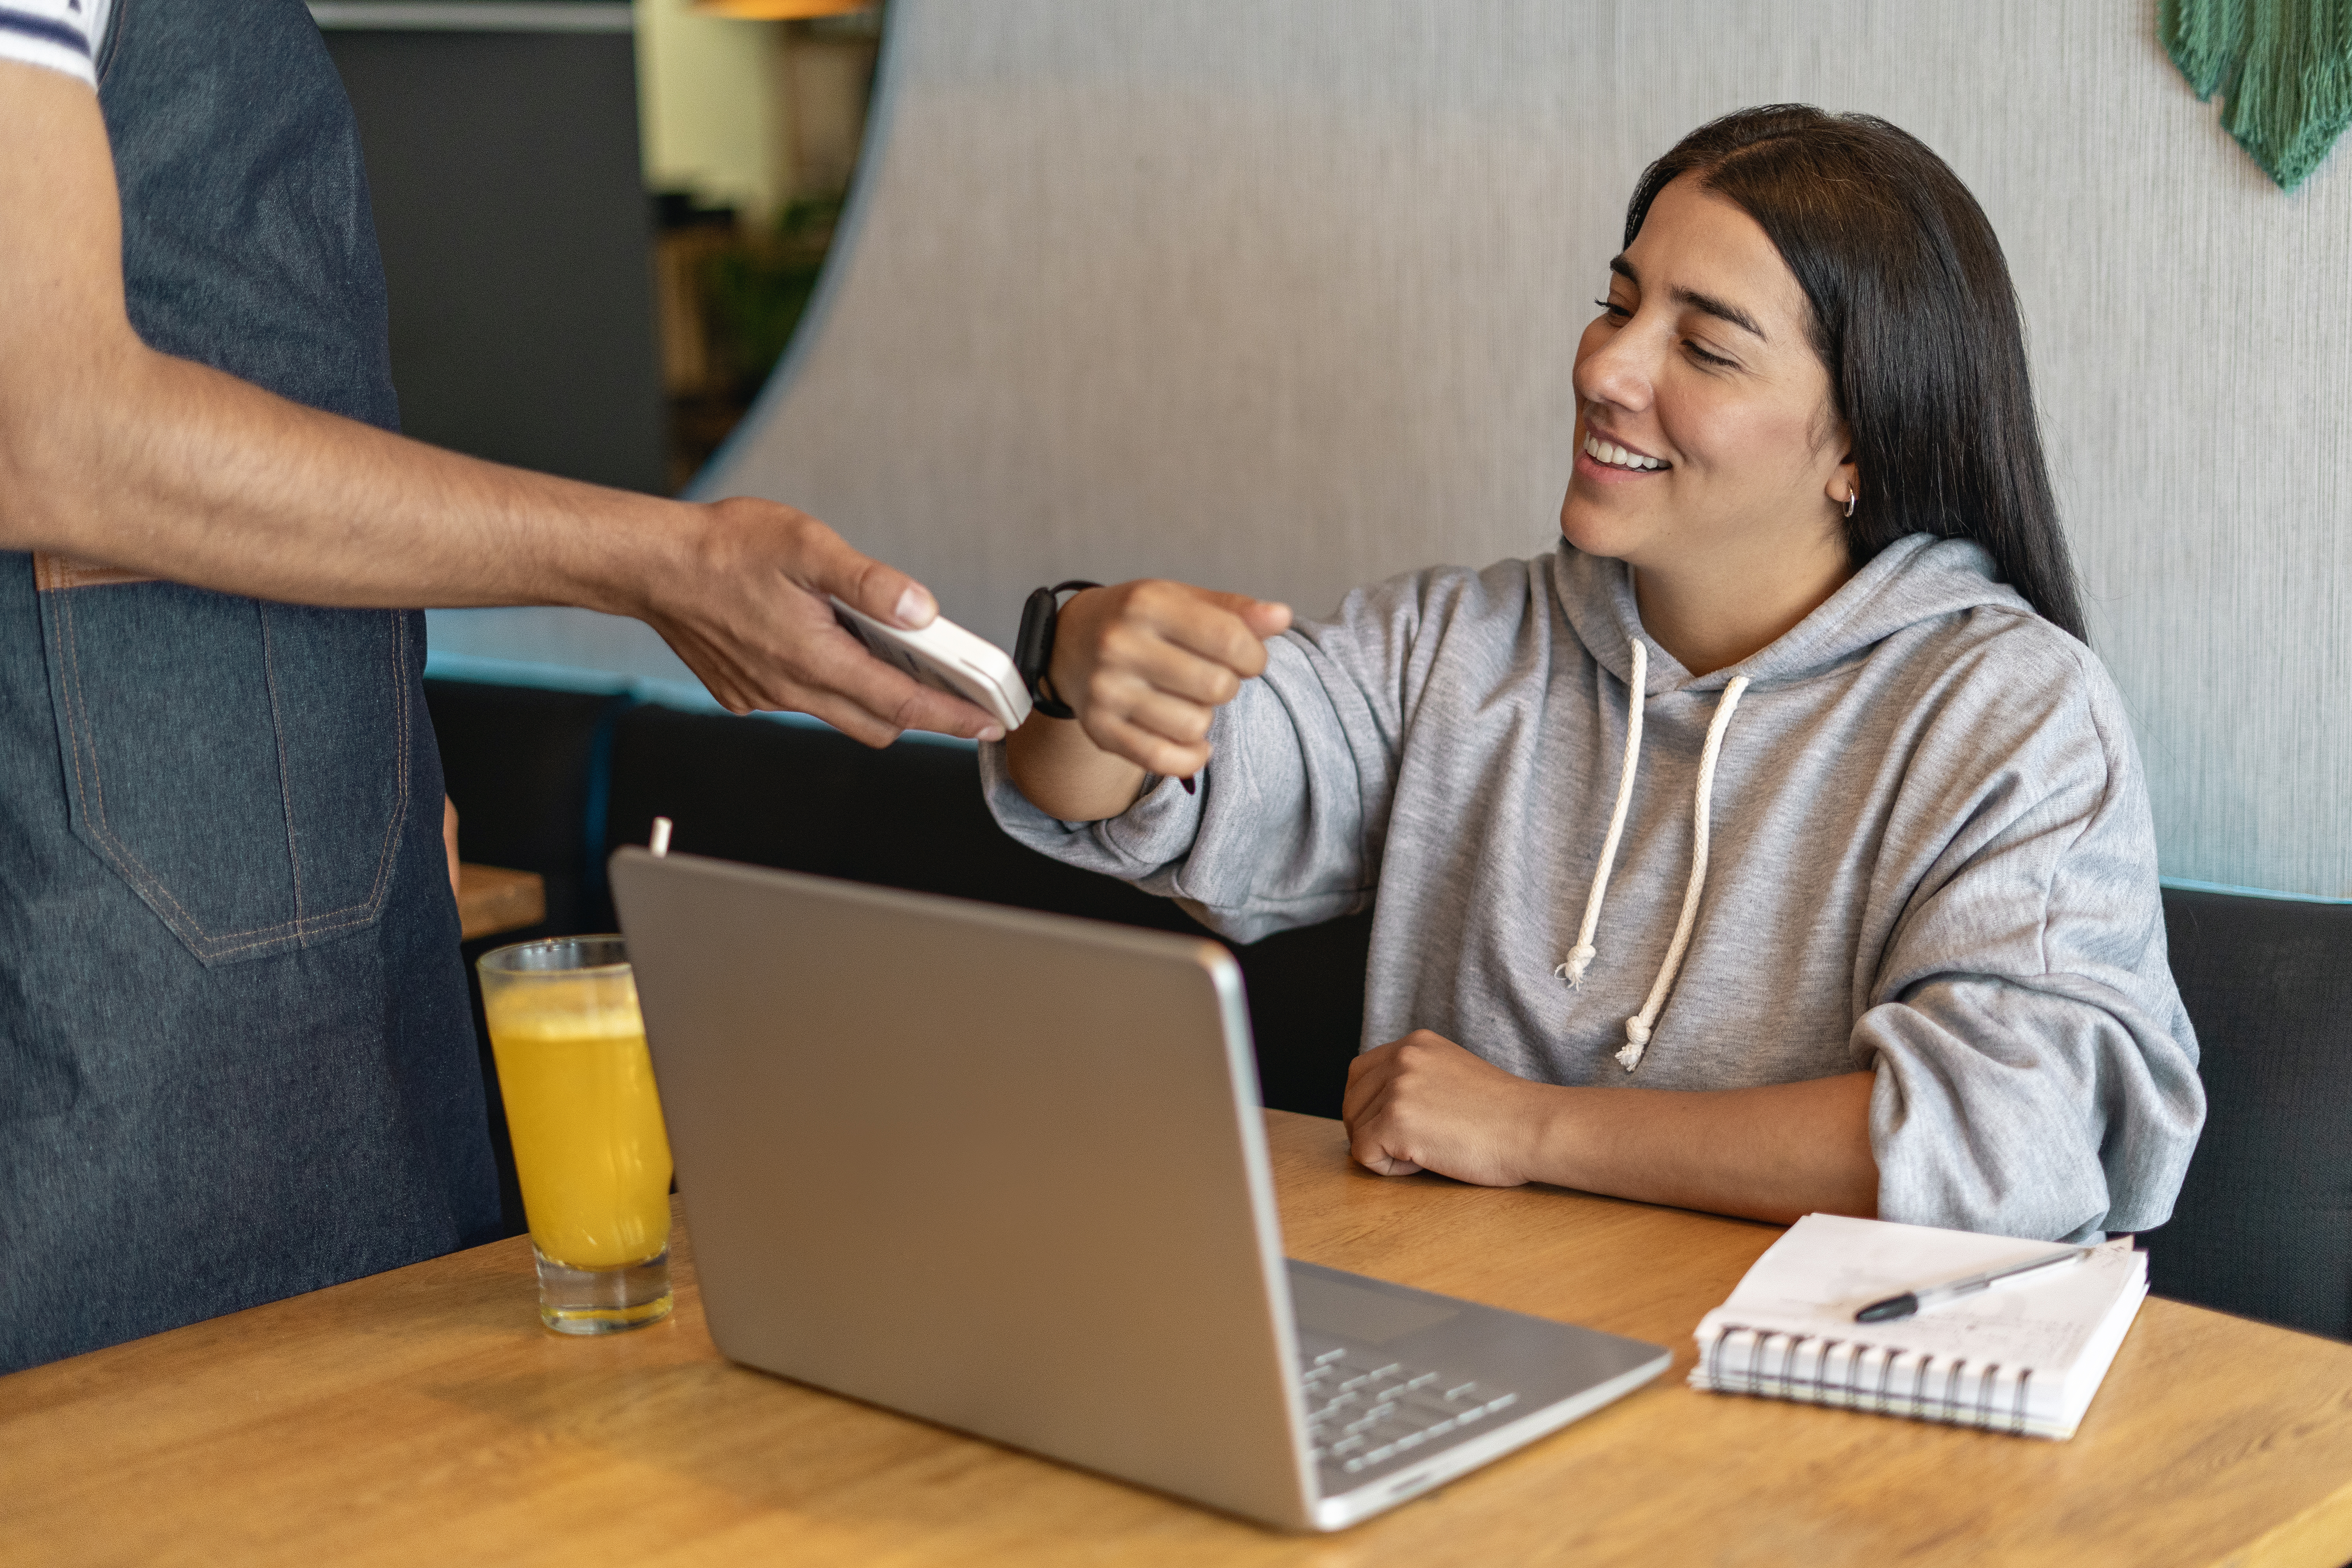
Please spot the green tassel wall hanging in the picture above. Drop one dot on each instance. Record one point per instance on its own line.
(2283, 68)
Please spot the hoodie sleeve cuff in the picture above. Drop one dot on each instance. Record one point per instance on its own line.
(1158, 830)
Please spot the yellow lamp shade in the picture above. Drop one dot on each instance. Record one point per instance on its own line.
(777, 10)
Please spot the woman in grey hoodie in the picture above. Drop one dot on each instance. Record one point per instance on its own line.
(1776, 844)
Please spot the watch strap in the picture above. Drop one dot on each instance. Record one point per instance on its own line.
(1032, 649)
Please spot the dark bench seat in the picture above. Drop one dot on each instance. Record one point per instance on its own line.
(2263, 1228)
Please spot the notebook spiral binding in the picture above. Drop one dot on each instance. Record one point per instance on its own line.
(1848, 1391)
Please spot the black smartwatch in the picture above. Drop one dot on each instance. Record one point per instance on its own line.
(1033, 651)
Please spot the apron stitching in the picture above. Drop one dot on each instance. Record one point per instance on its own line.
(277, 733)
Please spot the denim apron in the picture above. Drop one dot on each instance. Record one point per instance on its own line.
(236, 1056)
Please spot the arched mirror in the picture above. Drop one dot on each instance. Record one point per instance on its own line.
(600, 221)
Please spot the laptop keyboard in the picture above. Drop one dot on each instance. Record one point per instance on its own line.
(1363, 1410)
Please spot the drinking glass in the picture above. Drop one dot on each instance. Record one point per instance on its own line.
(588, 1143)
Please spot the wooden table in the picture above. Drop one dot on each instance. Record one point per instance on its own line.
(492, 898)
(424, 1417)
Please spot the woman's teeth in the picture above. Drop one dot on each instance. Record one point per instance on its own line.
(1616, 456)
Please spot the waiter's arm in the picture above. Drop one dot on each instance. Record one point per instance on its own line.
(114, 453)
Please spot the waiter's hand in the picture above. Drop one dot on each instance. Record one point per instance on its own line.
(745, 605)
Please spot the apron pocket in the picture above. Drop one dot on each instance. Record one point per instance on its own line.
(242, 765)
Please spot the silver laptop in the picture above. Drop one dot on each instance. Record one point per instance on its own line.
(1006, 1172)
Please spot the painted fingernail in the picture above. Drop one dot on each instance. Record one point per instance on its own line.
(916, 607)
(1187, 783)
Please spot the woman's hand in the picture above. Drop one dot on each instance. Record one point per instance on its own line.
(1423, 1103)
(1146, 665)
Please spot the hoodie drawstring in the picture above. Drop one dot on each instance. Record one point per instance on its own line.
(1637, 1027)
(1580, 957)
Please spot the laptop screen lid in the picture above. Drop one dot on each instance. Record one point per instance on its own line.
(976, 1164)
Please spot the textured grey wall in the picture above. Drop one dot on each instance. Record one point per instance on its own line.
(1283, 296)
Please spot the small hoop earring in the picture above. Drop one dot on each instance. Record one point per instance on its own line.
(1851, 496)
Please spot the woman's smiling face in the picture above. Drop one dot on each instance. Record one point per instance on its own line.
(1705, 433)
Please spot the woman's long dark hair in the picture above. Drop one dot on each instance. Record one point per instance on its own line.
(1915, 319)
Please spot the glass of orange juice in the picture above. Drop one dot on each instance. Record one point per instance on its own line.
(588, 1143)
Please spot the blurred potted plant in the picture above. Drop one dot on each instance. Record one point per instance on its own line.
(754, 292)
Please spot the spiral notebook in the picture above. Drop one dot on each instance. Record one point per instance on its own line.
(2023, 1358)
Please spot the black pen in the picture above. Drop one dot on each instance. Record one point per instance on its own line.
(1910, 1301)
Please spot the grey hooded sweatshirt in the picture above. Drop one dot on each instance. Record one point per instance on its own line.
(1929, 855)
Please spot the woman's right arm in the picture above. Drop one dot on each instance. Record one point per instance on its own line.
(1145, 666)
(1286, 826)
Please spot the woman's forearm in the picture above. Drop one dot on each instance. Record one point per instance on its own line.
(1772, 1154)
(1424, 1103)
(1065, 774)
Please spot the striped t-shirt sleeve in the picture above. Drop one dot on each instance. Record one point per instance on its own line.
(62, 35)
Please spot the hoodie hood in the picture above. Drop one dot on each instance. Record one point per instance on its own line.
(1917, 578)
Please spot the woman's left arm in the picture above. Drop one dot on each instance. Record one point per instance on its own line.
(1773, 1152)
(2025, 1066)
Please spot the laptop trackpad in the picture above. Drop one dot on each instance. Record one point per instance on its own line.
(1364, 1313)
